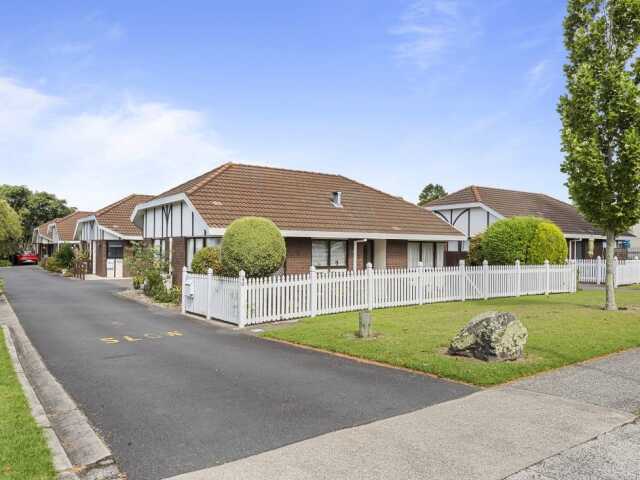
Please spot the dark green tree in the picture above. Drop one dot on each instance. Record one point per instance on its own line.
(601, 117)
(34, 208)
(431, 192)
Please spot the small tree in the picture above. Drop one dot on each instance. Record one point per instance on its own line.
(252, 244)
(207, 258)
(10, 229)
(601, 117)
(431, 192)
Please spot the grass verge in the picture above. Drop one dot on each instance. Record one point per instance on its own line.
(24, 454)
(563, 329)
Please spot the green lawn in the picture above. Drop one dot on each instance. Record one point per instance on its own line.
(563, 329)
(23, 451)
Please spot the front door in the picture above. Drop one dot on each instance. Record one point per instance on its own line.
(115, 255)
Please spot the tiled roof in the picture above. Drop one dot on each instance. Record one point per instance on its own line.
(44, 228)
(510, 203)
(66, 225)
(117, 216)
(299, 200)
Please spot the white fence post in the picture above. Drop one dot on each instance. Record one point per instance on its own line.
(616, 275)
(369, 286)
(209, 292)
(547, 288)
(637, 274)
(421, 283)
(184, 293)
(242, 299)
(485, 279)
(518, 279)
(313, 276)
(463, 280)
(598, 270)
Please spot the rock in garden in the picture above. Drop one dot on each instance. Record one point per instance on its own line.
(491, 336)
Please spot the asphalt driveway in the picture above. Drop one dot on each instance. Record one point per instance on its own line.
(171, 394)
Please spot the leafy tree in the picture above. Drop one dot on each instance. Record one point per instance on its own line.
(252, 244)
(601, 116)
(431, 192)
(34, 208)
(10, 229)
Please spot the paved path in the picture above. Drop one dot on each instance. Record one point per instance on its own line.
(488, 435)
(612, 382)
(175, 395)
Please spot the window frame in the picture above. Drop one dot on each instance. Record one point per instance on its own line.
(328, 243)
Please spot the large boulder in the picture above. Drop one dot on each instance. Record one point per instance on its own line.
(491, 336)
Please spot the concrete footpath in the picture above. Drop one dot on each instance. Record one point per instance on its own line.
(540, 428)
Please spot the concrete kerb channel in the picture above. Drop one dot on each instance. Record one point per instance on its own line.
(78, 452)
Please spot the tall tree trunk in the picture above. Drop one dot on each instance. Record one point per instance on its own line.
(610, 287)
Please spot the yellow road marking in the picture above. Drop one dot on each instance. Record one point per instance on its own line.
(146, 336)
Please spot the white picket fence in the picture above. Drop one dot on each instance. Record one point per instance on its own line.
(247, 301)
(626, 272)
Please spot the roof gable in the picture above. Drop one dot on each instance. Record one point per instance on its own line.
(66, 226)
(117, 216)
(511, 203)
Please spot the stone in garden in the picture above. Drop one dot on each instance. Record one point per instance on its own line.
(491, 336)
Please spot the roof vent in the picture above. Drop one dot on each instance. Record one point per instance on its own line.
(337, 199)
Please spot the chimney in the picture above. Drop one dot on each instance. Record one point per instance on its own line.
(337, 199)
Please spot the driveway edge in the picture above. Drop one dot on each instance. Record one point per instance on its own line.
(61, 462)
(78, 452)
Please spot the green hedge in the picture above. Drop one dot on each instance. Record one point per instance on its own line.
(531, 240)
(252, 244)
(207, 258)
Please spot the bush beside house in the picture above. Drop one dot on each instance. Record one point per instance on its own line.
(252, 244)
(148, 269)
(530, 240)
(205, 259)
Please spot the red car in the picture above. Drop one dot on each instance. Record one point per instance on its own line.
(27, 258)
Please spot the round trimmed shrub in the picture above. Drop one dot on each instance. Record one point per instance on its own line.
(207, 258)
(528, 239)
(548, 243)
(252, 244)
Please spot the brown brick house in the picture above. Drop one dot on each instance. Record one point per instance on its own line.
(328, 221)
(49, 235)
(107, 235)
(474, 208)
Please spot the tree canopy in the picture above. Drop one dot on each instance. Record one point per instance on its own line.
(10, 229)
(33, 208)
(431, 192)
(600, 115)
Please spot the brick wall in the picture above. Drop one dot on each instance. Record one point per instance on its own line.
(101, 258)
(298, 255)
(178, 259)
(127, 253)
(397, 253)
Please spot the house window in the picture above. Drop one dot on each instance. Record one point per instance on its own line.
(196, 244)
(420, 252)
(329, 253)
(115, 250)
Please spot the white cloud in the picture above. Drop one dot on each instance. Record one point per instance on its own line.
(431, 28)
(537, 78)
(95, 157)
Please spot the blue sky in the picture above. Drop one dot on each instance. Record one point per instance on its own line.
(98, 100)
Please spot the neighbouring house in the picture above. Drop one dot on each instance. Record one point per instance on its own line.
(107, 235)
(48, 236)
(474, 208)
(41, 241)
(328, 221)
